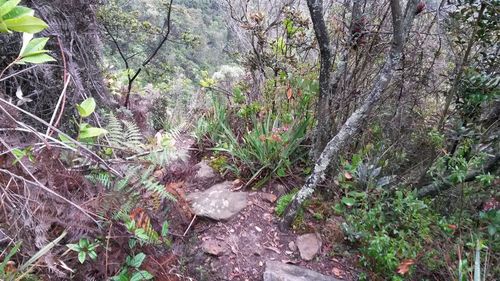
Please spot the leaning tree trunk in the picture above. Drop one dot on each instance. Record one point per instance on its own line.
(401, 28)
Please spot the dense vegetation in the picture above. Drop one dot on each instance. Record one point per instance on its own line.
(382, 116)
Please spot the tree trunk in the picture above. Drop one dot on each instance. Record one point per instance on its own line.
(355, 121)
(323, 130)
(328, 81)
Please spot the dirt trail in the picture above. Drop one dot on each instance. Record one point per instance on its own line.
(236, 249)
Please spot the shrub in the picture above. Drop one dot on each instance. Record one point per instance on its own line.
(392, 230)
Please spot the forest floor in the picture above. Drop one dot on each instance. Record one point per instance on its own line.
(238, 248)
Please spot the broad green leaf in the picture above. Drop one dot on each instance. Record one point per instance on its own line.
(92, 255)
(348, 201)
(36, 59)
(18, 12)
(132, 243)
(66, 140)
(281, 172)
(91, 132)
(83, 243)
(19, 154)
(141, 275)
(26, 23)
(3, 27)
(26, 40)
(33, 46)
(74, 247)
(8, 6)
(81, 256)
(137, 260)
(86, 108)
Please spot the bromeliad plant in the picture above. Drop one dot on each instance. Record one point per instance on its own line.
(267, 142)
(268, 150)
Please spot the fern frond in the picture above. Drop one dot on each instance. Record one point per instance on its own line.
(130, 173)
(115, 131)
(133, 134)
(157, 188)
(103, 178)
(175, 133)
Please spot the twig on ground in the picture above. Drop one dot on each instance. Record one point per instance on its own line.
(189, 227)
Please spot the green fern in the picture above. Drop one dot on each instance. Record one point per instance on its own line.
(132, 135)
(126, 141)
(124, 135)
(115, 131)
(103, 178)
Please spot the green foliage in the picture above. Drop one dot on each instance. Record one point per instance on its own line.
(87, 132)
(391, 230)
(86, 108)
(21, 19)
(23, 271)
(269, 149)
(21, 153)
(18, 18)
(283, 202)
(6, 259)
(195, 46)
(144, 233)
(131, 271)
(476, 90)
(85, 248)
(33, 50)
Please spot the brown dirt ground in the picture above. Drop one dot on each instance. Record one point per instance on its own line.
(249, 239)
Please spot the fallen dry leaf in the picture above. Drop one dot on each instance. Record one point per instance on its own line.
(289, 93)
(404, 266)
(347, 176)
(337, 272)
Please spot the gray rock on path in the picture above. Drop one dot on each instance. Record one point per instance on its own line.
(309, 245)
(218, 202)
(278, 271)
(213, 247)
(204, 171)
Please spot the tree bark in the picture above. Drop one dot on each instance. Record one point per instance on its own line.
(328, 81)
(323, 129)
(401, 28)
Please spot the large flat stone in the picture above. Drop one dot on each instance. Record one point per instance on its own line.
(218, 202)
(309, 245)
(278, 271)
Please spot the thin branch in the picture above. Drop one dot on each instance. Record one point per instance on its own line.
(91, 154)
(17, 73)
(439, 186)
(153, 54)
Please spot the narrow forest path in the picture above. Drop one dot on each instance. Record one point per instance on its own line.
(222, 232)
